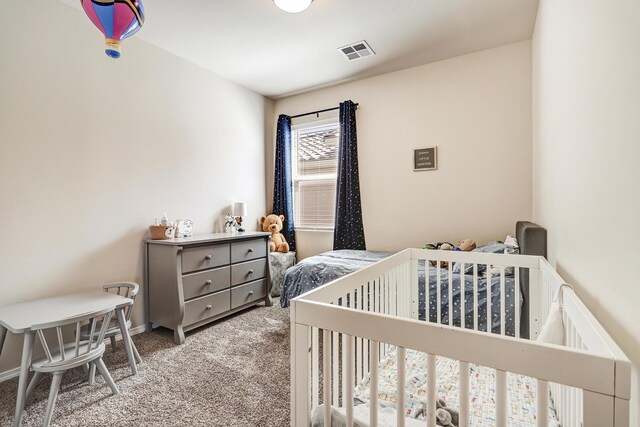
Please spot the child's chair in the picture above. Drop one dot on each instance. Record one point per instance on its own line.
(63, 357)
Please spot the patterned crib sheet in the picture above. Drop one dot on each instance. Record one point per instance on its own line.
(521, 390)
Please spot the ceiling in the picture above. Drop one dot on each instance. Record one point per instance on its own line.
(277, 54)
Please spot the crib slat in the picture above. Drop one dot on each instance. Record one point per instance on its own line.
(406, 283)
(343, 362)
(300, 364)
(503, 299)
(517, 300)
(365, 342)
(393, 293)
(438, 293)
(489, 294)
(326, 375)
(373, 395)
(431, 390)
(335, 376)
(401, 373)
(475, 297)
(463, 311)
(450, 292)
(415, 291)
(315, 368)
(464, 395)
(386, 302)
(348, 349)
(543, 403)
(501, 398)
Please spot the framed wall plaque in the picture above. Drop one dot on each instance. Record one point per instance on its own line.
(425, 159)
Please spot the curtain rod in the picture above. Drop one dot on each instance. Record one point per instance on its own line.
(318, 112)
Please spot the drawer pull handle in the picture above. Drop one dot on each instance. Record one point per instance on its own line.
(208, 307)
(250, 272)
(250, 250)
(208, 257)
(208, 283)
(250, 293)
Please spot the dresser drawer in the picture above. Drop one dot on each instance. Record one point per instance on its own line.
(202, 257)
(206, 307)
(248, 250)
(244, 294)
(206, 282)
(248, 271)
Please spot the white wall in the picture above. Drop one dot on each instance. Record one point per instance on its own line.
(92, 150)
(586, 140)
(477, 109)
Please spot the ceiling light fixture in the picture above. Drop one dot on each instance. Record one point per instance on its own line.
(293, 6)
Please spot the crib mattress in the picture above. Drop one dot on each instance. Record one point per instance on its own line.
(521, 390)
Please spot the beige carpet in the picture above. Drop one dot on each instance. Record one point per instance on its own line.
(234, 372)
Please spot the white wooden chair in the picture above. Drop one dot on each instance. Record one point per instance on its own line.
(65, 356)
(127, 290)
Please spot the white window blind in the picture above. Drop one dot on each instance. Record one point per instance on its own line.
(315, 167)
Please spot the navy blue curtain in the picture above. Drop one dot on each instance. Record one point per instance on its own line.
(348, 231)
(283, 180)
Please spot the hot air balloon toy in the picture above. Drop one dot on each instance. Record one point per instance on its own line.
(116, 19)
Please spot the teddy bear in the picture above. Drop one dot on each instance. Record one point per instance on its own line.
(466, 245)
(273, 224)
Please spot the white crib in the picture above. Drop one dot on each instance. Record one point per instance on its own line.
(588, 378)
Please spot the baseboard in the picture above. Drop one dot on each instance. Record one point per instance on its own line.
(11, 373)
(15, 372)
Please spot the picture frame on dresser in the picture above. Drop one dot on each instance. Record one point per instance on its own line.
(193, 281)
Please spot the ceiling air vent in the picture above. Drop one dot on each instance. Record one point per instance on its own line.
(357, 50)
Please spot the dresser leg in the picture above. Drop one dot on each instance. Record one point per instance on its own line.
(178, 335)
(268, 302)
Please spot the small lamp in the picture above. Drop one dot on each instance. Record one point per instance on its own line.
(239, 210)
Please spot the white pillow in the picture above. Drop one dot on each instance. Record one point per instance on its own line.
(553, 330)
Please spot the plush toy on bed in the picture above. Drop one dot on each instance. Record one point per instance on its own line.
(445, 416)
(273, 223)
(466, 245)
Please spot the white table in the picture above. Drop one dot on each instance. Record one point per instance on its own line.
(19, 319)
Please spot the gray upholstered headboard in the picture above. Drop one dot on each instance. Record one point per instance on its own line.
(533, 241)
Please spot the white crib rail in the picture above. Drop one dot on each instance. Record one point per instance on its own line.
(363, 315)
(584, 332)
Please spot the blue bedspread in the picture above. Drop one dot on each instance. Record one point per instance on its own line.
(468, 297)
(320, 269)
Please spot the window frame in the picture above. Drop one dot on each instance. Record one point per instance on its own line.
(317, 177)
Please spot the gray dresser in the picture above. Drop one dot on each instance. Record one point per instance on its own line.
(194, 281)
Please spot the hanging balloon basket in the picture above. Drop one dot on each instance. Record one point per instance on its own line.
(113, 48)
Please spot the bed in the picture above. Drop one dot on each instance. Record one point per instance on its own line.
(360, 343)
(326, 267)
(321, 269)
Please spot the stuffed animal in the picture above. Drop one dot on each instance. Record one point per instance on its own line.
(443, 246)
(446, 416)
(273, 223)
(466, 245)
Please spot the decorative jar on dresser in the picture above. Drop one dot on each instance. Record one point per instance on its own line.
(196, 280)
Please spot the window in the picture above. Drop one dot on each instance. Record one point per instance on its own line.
(315, 171)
